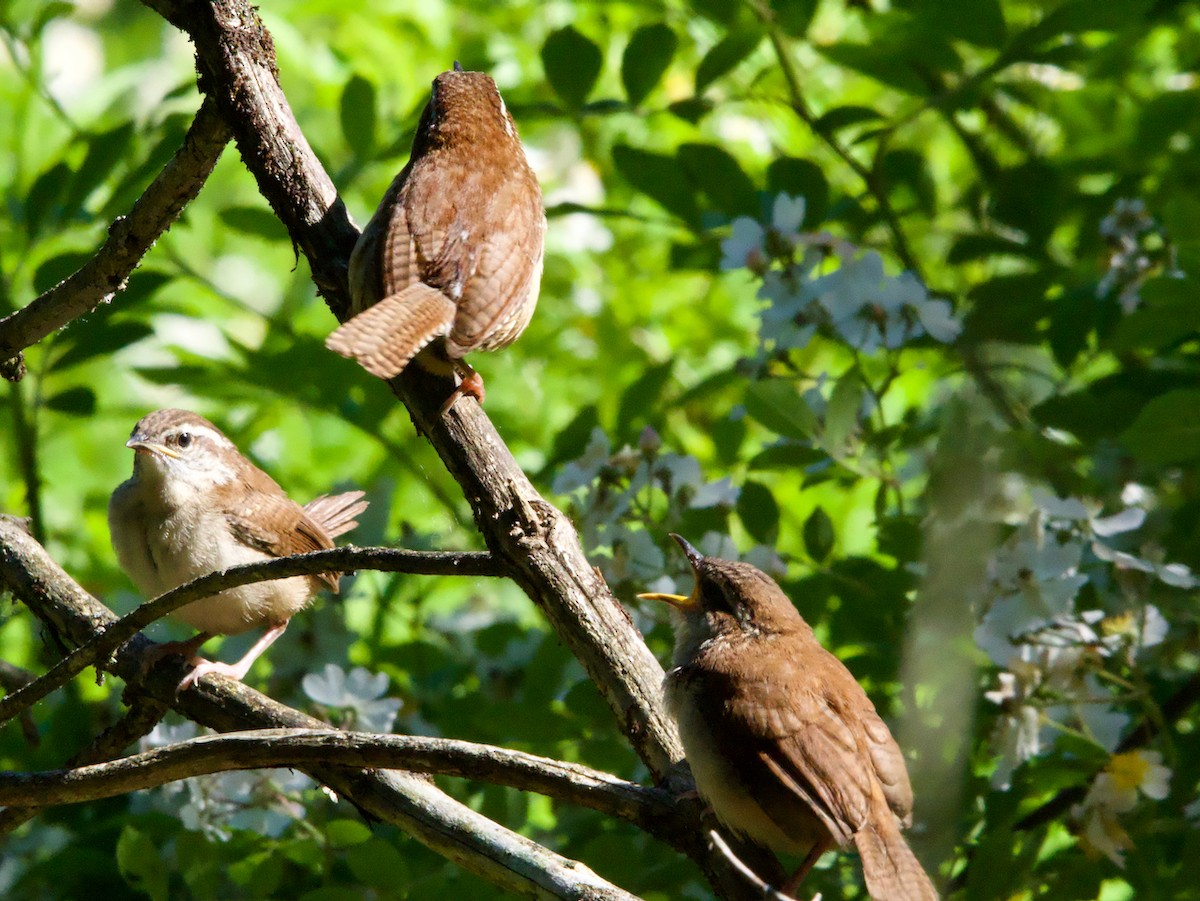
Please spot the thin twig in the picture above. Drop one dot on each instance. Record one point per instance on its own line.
(342, 559)
(769, 892)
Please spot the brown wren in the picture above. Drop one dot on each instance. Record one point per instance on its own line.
(195, 505)
(782, 740)
(451, 262)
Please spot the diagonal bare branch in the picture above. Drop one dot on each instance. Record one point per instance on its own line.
(236, 64)
(105, 274)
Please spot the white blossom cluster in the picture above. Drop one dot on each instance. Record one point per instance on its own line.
(856, 302)
(268, 801)
(261, 801)
(625, 502)
(1138, 249)
(1053, 652)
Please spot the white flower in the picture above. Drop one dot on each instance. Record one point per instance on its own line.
(359, 692)
(751, 245)
(786, 321)
(937, 318)
(1018, 733)
(743, 249)
(1034, 580)
(1115, 791)
(787, 214)
(583, 471)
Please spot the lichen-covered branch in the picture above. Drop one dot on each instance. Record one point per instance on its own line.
(101, 277)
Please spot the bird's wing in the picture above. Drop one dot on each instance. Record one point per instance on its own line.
(500, 293)
(258, 500)
(805, 738)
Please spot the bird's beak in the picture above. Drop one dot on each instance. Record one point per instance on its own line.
(141, 445)
(693, 555)
(679, 601)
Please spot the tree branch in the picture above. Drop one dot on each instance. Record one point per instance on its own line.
(407, 800)
(143, 716)
(651, 809)
(342, 559)
(236, 64)
(101, 277)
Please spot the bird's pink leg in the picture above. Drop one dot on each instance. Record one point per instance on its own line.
(236, 671)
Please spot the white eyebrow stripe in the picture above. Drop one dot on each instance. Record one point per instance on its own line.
(200, 431)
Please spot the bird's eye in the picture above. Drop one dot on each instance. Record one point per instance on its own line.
(185, 438)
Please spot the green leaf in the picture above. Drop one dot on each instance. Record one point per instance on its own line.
(841, 416)
(641, 399)
(77, 401)
(55, 269)
(659, 177)
(787, 455)
(909, 169)
(979, 21)
(844, 116)
(724, 55)
(572, 63)
(105, 151)
(358, 115)
(759, 512)
(646, 58)
(100, 339)
(721, 177)
(777, 405)
(794, 16)
(254, 220)
(344, 833)
(818, 534)
(800, 178)
(141, 865)
(48, 14)
(1168, 314)
(42, 203)
(377, 863)
(1167, 430)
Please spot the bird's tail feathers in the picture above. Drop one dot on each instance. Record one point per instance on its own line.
(335, 513)
(891, 870)
(384, 337)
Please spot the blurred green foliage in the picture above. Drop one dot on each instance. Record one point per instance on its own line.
(1031, 163)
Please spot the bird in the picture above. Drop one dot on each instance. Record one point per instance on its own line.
(194, 505)
(451, 261)
(783, 742)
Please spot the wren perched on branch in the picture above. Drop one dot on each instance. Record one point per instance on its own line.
(782, 740)
(451, 262)
(195, 505)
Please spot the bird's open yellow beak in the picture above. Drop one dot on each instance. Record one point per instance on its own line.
(678, 601)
